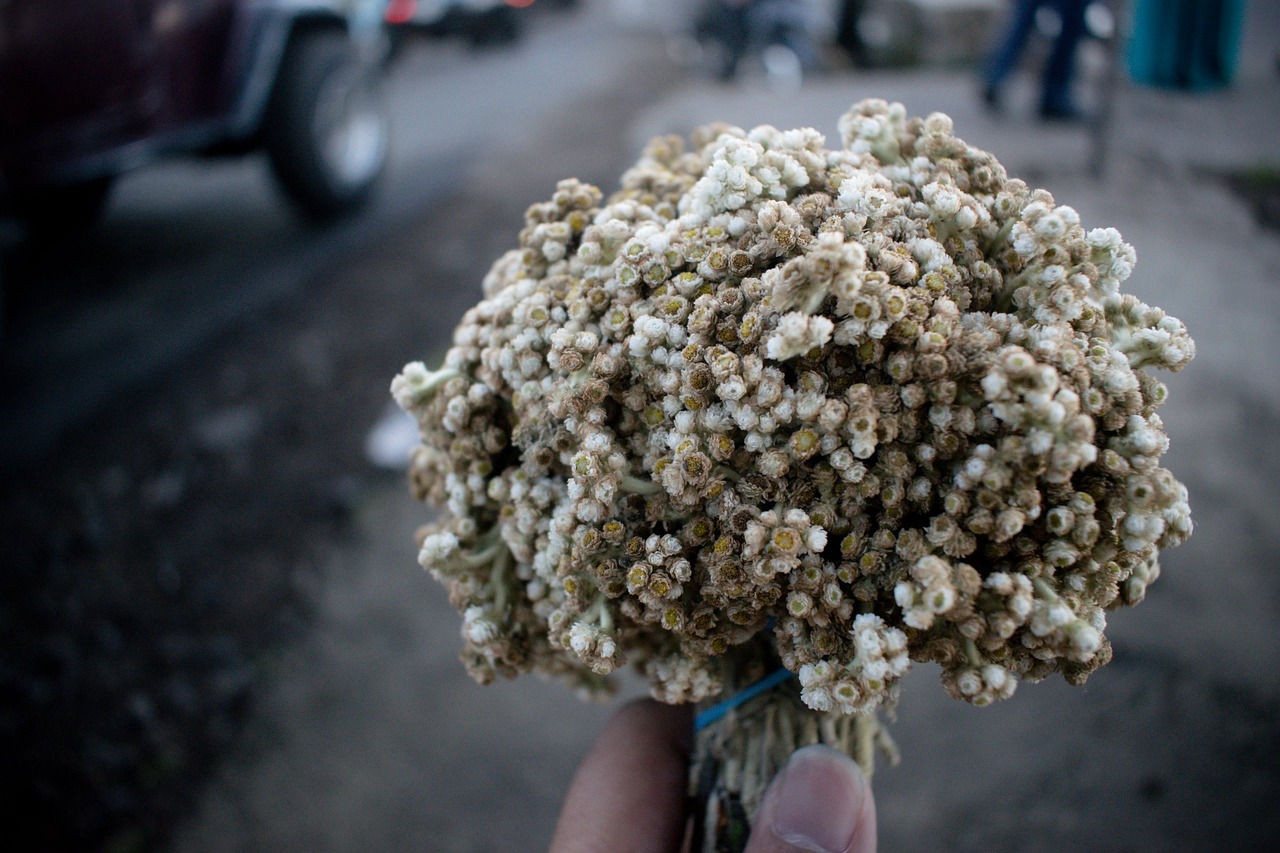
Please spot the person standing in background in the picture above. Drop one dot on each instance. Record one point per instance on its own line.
(730, 22)
(1056, 100)
(743, 26)
(848, 36)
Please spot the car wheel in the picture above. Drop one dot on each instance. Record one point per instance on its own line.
(63, 210)
(326, 126)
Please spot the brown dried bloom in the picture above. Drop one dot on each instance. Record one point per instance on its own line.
(880, 403)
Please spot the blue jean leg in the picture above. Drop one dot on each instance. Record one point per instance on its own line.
(1005, 58)
(1059, 71)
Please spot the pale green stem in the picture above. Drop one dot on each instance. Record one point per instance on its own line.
(1043, 589)
(498, 579)
(1004, 301)
(728, 473)
(971, 653)
(437, 379)
(1001, 236)
(633, 484)
(483, 557)
(598, 611)
(864, 747)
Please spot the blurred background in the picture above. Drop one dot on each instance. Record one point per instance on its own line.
(225, 225)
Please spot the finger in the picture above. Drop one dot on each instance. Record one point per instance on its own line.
(629, 792)
(819, 802)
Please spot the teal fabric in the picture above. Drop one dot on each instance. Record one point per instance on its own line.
(1191, 45)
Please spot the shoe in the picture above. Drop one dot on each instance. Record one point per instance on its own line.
(991, 98)
(1061, 112)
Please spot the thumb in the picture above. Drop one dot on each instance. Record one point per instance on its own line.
(819, 802)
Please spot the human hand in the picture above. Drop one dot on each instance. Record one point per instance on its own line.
(628, 795)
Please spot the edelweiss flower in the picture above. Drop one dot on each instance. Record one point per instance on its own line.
(840, 409)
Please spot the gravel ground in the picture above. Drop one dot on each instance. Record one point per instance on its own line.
(161, 553)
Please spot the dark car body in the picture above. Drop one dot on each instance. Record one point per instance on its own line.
(90, 89)
(480, 22)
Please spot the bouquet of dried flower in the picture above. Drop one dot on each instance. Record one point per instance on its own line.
(776, 420)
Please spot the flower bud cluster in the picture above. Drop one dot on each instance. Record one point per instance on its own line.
(857, 685)
(880, 403)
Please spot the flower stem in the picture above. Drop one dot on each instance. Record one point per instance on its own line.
(865, 726)
(632, 483)
(738, 754)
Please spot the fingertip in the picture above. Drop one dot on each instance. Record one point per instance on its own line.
(670, 725)
(820, 802)
(629, 792)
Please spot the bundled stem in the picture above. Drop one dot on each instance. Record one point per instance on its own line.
(737, 755)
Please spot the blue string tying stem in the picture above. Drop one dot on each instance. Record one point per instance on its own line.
(715, 712)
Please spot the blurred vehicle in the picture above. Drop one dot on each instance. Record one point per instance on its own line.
(479, 22)
(90, 89)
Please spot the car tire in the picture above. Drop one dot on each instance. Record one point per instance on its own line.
(64, 210)
(326, 127)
